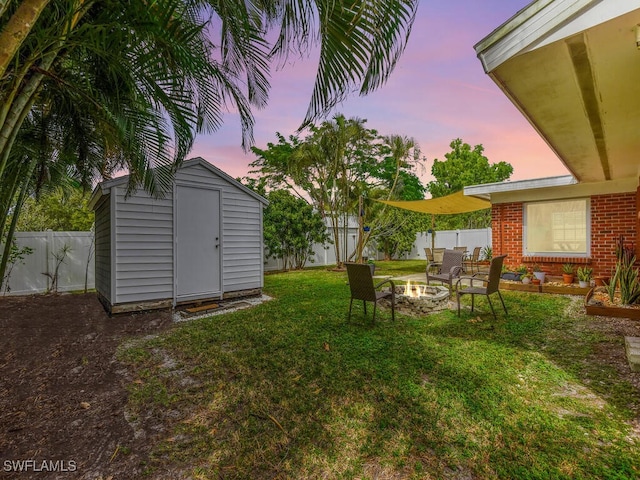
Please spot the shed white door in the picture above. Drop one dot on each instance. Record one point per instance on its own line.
(197, 242)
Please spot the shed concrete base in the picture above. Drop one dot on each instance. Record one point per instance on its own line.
(632, 346)
(168, 303)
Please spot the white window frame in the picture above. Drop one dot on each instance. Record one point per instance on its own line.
(562, 253)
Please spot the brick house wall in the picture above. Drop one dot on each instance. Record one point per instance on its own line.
(612, 215)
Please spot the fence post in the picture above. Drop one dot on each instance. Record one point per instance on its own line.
(49, 247)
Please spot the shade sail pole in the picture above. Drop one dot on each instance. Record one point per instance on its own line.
(433, 231)
(360, 229)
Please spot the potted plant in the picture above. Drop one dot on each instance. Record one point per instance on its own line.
(567, 273)
(538, 273)
(372, 265)
(584, 276)
(522, 271)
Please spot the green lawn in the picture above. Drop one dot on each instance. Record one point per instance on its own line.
(288, 389)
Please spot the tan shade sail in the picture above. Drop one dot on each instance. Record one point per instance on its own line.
(455, 203)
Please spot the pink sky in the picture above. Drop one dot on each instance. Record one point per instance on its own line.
(438, 92)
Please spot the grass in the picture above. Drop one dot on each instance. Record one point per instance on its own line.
(288, 389)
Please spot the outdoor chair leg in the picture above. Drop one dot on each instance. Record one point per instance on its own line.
(472, 301)
(364, 303)
(503, 305)
(491, 305)
(350, 305)
(375, 304)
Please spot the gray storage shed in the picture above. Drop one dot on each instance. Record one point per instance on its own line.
(202, 241)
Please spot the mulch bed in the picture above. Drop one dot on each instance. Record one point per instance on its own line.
(62, 392)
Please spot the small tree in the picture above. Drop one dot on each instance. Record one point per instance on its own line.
(291, 227)
(397, 231)
(16, 256)
(59, 257)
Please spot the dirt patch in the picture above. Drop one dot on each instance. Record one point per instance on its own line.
(63, 393)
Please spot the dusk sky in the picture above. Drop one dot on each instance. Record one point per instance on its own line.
(438, 92)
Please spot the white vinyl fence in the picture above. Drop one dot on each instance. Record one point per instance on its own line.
(325, 254)
(35, 274)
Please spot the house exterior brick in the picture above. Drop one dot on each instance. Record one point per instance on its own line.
(612, 216)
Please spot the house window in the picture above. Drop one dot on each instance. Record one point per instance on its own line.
(557, 228)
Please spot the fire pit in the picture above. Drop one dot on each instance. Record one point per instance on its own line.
(417, 300)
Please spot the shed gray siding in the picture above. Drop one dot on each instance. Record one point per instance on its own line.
(143, 247)
(242, 262)
(241, 242)
(102, 235)
(136, 245)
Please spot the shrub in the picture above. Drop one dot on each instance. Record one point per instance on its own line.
(625, 279)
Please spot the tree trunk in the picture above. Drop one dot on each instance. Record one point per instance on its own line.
(14, 218)
(17, 29)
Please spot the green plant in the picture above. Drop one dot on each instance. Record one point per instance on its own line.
(625, 280)
(16, 256)
(536, 268)
(624, 253)
(522, 270)
(487, 253)
(59, 257)
(291, 227)
(567, 268)
(584, 273)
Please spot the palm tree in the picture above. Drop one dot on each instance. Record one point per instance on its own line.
(117, 84)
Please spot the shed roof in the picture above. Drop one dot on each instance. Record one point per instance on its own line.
(103, 188)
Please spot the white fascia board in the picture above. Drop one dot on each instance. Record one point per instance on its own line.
(528, 28)
(500, 187)
(601, 12)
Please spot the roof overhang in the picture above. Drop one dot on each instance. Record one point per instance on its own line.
(572, 67)
(551, 188)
